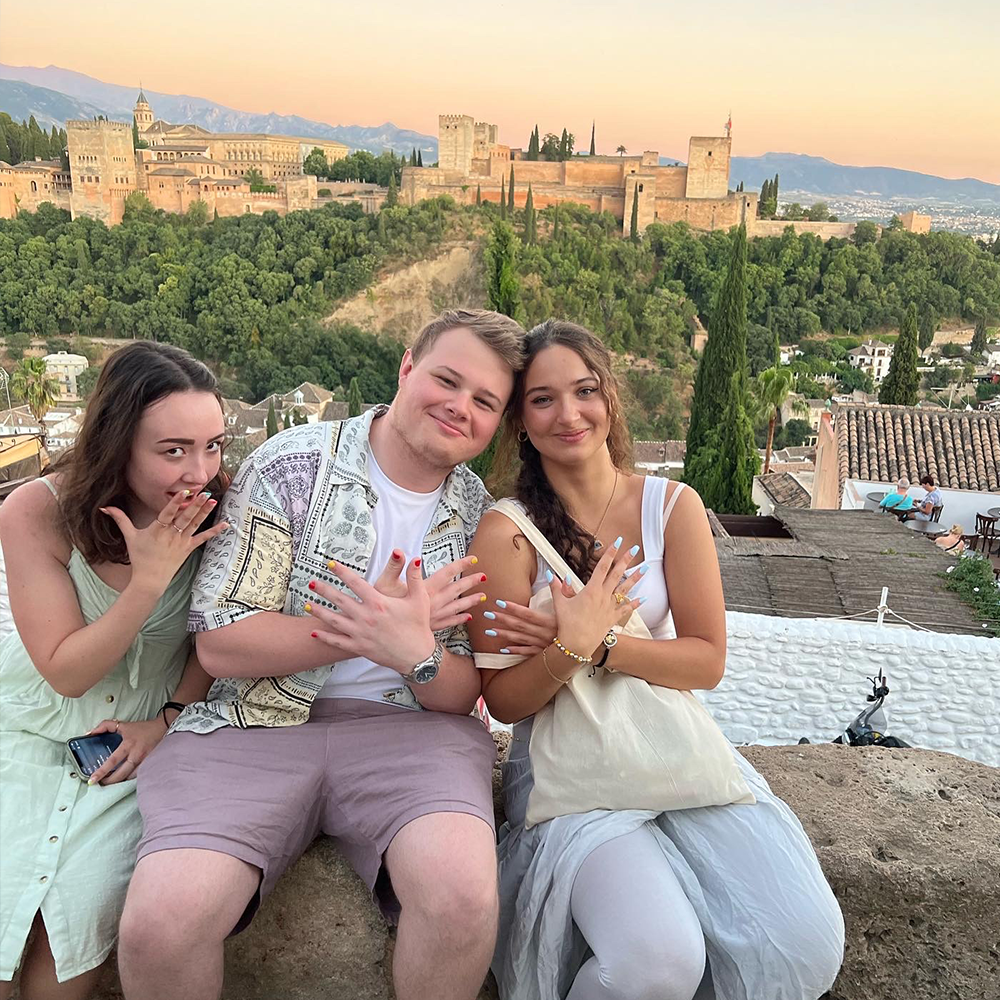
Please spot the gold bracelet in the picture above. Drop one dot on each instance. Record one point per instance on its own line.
(545, 663)
(567, 652)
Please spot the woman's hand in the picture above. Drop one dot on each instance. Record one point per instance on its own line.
(138, 741)
(520, 630)
(158, 551)
(450, 606)
(585, 618)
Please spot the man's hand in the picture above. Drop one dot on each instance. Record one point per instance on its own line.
(448, 605)
(394, 631)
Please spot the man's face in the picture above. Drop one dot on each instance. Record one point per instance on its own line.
(450, 402)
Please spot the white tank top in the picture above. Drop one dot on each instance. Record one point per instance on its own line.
(653, 586)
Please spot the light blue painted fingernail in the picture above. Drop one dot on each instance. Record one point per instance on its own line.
(634, 551)
(548, 576)
(618, 542)
(504, 650)
(643, 569)
(642, 600)
(501, 604)
(490, 631)
(489, 614)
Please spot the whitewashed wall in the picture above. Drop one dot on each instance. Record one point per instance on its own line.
(792, 677)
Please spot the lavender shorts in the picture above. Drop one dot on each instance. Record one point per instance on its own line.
(357, 771)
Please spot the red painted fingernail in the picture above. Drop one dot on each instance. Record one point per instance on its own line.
(482, 579)
(315, 635)
(397, 556)
(416, 562)
(312, 584)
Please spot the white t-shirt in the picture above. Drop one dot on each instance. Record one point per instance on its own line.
(400, 520)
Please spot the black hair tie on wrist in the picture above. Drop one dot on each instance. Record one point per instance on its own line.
(176, 706)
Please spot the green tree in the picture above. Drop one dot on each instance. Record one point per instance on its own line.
(4, 148)
(510, 192)
(738, 458)
(355, 403)
(621, 150)
(316, 163)
(555, 223)
(31, 382)
(413, 157)
(633, 226)
(978, 346)
(865, 232)
(272, 420)
(774, 385)
(286, 420)
(902, 382)
(593, 134)
(503, 199)
(503, 290)
(420, 158)
(928, 327)
(479, 195)
(391, 196)
(530, 225)
(86, 381)
(135, 134)
(299, 418)
(725, 354)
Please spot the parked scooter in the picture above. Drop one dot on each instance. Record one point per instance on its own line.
(868, 728)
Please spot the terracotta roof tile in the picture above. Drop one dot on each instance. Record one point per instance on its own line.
(784, 488)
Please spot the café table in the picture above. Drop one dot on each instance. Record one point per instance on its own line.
(930, 528)
(993, 512)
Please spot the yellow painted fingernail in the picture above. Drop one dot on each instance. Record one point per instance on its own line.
(90, 781)
(482, 597)
(187, 493)
(475, 560)
(332, 564)
(309, 607)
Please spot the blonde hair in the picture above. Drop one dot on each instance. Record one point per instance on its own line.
(956, 529)
(500, 333)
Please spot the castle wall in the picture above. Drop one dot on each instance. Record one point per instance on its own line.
(824, 230)
(671, 182)
(103, 169)
(708, 167)
(25, 186)
(642, 186)
(455, 142)
(914, 222)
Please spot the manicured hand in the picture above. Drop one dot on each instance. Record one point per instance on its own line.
(158, 551)
(392, 631)
(450, 605)
(138, 741)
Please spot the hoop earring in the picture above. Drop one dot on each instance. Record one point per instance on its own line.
(524, 438)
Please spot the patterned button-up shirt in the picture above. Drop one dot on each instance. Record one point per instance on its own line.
(301, 499)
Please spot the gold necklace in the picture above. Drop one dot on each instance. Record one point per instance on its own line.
(597, 542)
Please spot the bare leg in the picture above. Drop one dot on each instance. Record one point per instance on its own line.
(181, 906)
(444, 871)
(38, 972)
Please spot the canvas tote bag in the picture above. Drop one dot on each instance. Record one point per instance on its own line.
(613, 741)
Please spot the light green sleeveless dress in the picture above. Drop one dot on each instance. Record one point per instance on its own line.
(68, 850)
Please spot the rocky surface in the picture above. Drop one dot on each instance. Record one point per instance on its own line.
(909, 839)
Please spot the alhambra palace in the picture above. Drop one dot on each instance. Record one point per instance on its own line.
(184, 164)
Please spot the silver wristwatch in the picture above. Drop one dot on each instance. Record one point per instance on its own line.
(426, 670)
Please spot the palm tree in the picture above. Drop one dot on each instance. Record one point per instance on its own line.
(31, 381)
(621, 150)
(773, 387)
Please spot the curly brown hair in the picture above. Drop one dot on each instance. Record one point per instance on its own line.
(517, 465)
(93, 470)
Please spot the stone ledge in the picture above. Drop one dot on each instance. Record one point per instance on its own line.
(909, 839)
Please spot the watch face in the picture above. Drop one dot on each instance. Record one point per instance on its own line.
(423, 674)
(610, 639)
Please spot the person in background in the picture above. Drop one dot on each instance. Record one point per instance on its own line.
(932, 498)
(101, 555)
(899, 500)
(953, 541)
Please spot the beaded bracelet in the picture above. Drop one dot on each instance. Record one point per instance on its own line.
(570, 653)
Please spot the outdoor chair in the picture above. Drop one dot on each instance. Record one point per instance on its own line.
(986, 530)
(936, 512)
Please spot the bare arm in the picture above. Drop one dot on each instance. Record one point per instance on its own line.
(71, 655)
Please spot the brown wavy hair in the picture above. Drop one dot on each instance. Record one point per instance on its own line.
(517, 465)
(93, 470)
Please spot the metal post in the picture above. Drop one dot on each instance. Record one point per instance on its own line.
(883, 607)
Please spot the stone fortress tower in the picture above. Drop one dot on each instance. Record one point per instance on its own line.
(102, 168)
(142, 113)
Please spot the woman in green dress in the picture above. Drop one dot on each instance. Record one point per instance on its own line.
(100, 555)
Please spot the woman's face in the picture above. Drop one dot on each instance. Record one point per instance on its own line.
(177, 446)
(563, 410)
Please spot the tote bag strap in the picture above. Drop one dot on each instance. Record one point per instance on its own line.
(542, 545)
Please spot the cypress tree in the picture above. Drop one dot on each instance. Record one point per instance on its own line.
(725, 353)
(510, 191)
(901, 384)
(420, 158)
(286, 420)
(4, 148)
(215, 215)
(272, 420)
(633, 226)
(978, 346)
(479, 195)
(135, 134)
(355, 404)
(391, 196)
(731, 486)
(555, 223)
(593, 135)
(381, 229)
(503, 199)
(413, 157)
(530, 230)
(503, 290)
(928, 327)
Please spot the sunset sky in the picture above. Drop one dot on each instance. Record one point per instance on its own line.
(903, 83)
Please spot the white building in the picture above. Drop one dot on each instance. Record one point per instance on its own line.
(873, 357)
(65, 369)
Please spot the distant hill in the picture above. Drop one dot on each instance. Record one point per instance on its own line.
(816, 175)
(26, 90)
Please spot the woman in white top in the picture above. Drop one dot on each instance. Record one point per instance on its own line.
(723, 901)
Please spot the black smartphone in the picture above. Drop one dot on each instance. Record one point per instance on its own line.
(91, 751)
